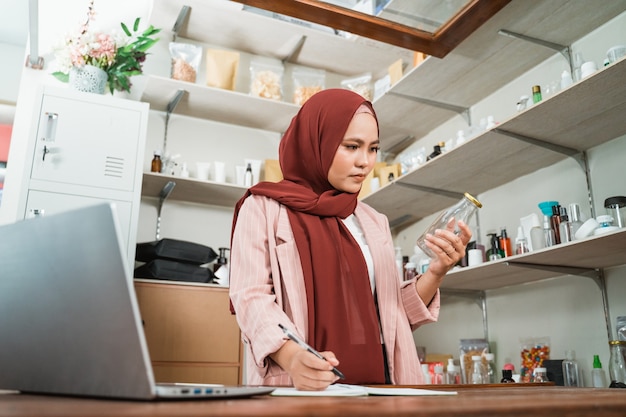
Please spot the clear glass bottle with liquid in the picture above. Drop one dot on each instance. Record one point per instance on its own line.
(410, 271)
(490, 369)
(453, 375)
(460, 211)
(478, 374)
(617, 362)
(571, 373)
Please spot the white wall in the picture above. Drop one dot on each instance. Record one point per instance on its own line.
(567, 309)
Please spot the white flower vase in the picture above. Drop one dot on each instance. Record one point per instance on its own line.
(88, 78)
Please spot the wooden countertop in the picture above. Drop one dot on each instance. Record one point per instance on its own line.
(506, 401)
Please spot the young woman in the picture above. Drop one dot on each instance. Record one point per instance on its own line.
(307, 255)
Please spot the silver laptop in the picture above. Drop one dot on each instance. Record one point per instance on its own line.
(69, 319)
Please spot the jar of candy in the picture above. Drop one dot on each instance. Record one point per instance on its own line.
(534, 351)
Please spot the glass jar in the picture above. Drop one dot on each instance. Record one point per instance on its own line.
(617, 362)
(540, 375)
(460, 211)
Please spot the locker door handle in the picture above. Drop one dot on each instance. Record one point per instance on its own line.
(51, 127)
(46, 150)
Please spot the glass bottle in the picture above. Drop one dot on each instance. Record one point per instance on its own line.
(598, 379)
(548, 232)
(490, 369)
(410, 271)
(521, 245)
(571, 374)
(507, 377)
(565, 227)
(536, 94)
(156, 164)
(438, 375)
(477, 370)
(505, 243)
(617, 362)
(460, 211)
(574, 219)
(453, 374)
(540, 375)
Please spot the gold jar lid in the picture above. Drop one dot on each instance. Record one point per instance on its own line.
(473, 200)
(536, 89)
(617, 342)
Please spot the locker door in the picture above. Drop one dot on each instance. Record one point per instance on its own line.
(85, 143)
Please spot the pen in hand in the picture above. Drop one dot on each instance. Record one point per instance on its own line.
(304, 345)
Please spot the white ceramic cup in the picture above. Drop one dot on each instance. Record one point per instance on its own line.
(219, 171)
(587, 69)
(474, 257)
(202, 170)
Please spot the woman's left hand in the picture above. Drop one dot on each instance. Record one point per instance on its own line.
(448, 247)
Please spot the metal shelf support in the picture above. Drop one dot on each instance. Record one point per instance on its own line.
(479, 297)
(597, 275)
(463, 111)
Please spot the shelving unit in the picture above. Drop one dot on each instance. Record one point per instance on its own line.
(585, 115)
(582, 257)
(193, 190)
(567, 124)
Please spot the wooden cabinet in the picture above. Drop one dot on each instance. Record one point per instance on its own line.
(191, 334)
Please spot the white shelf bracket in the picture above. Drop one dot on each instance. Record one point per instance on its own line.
(564, 50)
(597, 275)
(478, 296)
(463, 111)
(180, 21)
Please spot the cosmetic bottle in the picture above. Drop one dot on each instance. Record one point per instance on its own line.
(453, 376)
(548, 232)
(477, 370)
(494, 252)
(505, 243)
(521, 245)
(598, 379)
(221, 259)
(540, 375)
(462, 210)
(536, 94)
(565, 230)
(436, 152)
(617, 363)
(157, 163)
(507, 377)
(247, 176)
(410, 271)
(555, 222)
(490, 369)
(574, 219)
(438, 375)
(571, 373)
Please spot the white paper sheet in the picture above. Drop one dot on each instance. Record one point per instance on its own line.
(346, 390)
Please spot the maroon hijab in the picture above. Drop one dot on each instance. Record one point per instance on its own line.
(342, 314)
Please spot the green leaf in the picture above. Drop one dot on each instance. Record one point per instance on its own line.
(61, 76)
(136, 25)
(125, 29)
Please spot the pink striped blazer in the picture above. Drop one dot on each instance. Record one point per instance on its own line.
(267, 288)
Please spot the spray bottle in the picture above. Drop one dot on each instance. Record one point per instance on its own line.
(494, 252)
(221, 260)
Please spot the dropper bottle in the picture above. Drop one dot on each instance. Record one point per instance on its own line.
(521, 245)
(494, 253)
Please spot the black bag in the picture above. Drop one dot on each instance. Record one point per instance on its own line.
(176, 250)
(174, 271)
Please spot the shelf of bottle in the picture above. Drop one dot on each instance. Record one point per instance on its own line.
(192, 190)
(575, 258)
(561, 120)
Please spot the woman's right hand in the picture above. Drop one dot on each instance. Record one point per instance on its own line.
(307, 371)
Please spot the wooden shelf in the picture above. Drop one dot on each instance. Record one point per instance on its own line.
(226, 24)
(595, 252)
(219, 105)
(484, 63)
(192, 190)
(585, 115)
